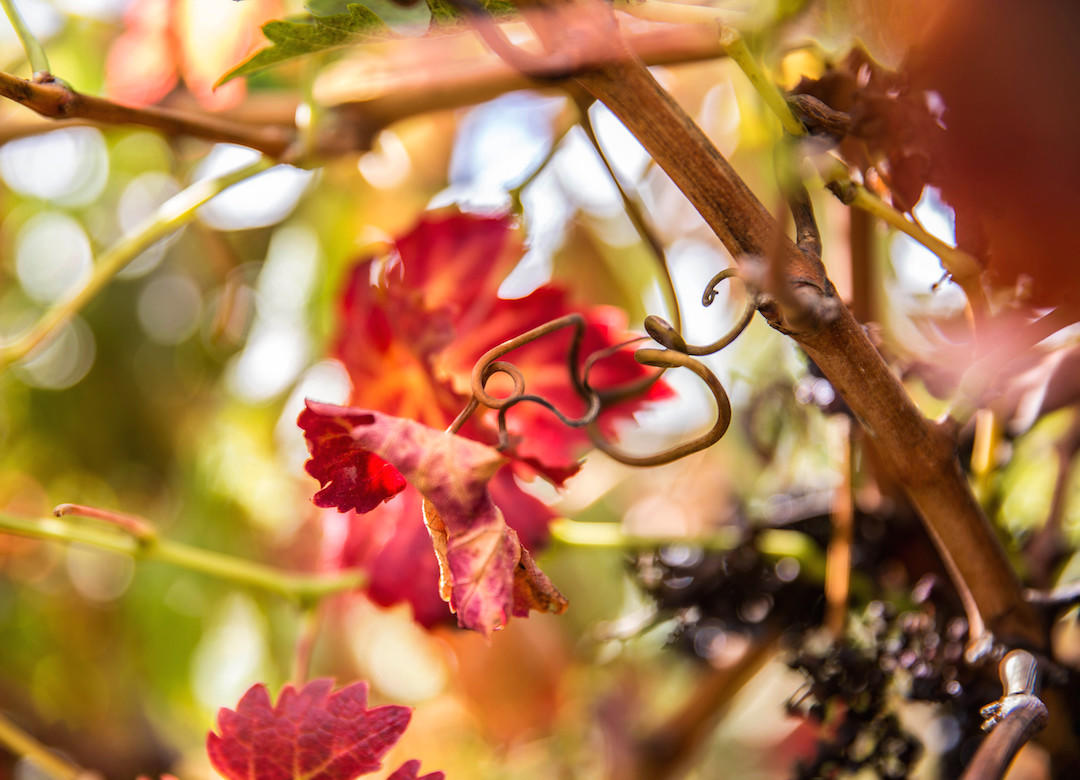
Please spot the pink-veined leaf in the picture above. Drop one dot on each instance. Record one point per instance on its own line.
(393, 545)
(485, 574)
(309, 734)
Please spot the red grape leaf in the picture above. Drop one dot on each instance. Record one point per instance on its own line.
(392, 544)
(411, 326)
(350, 479)
(1007, 159)
(409, 770)
(310, 734)
(484, 574)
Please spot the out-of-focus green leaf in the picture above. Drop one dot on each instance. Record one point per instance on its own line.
(328, 27)
(297, 36)
(411, 19)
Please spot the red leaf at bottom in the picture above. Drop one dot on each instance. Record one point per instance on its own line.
(310, 734)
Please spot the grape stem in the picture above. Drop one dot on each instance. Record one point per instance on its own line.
(303, 588)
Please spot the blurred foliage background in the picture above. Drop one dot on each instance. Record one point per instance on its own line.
(174, 395)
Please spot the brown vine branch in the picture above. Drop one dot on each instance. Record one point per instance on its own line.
(920, 454)
(56, 100)
(417, 84)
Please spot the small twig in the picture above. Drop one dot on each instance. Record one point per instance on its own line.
(1063, 596)
(838, 558)
(489, 362)
(57, 100)
(669, 358)
(132, 524)
(22, 744)
(304, 588)
(664, 333)
(665, 751)
(1012, 720)
(737, 49)
(171, 215)
(807, 236)
(35, 53)
(633, 208)
(463, 416)
(818, 117)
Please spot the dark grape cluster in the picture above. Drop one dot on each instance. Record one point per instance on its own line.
(848, 691)
(917, 654)
(721, 599)
(714, 594)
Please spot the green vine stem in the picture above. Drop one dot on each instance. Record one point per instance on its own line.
(22, 744)
(303, 588)
(35, 53)
(773, 542)
(962, 267)
(174, 213)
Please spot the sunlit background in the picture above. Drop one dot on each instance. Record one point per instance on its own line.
(174, 395)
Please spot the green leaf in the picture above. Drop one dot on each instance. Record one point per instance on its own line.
(406, 20)
(334, 24)
(300, 35)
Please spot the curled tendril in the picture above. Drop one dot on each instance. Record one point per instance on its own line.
(676, 354)
(663, 332)
(669, 358)
(489, 362)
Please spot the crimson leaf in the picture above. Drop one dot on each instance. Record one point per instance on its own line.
(310, 734)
